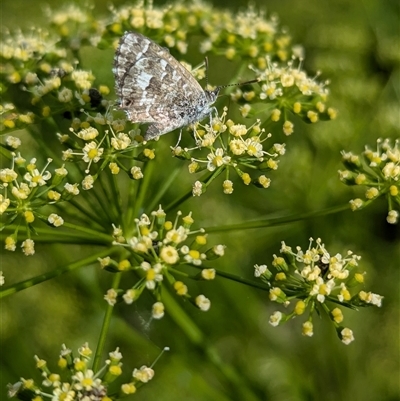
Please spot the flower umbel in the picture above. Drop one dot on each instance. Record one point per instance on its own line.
(377, 170)
(319, 282)
(231, 147)
(81, 383)
(161, 252)
(25, 190)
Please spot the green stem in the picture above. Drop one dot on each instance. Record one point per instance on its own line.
(237, 279)
(206, 179)
(136, 198)
(180, 317)
(117, 198)
(47, 128)
(60, 235)
(277, 221)
(234, 381)
(54, 273)
(98, 204)
(161, 191)
(110, 210)
(93, 233)
(87, 214)
(105, 326)
(144, 186)
(178, 201)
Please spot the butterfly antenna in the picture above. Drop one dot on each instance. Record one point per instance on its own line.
(252, 81)
(225, 86)
(206, 65)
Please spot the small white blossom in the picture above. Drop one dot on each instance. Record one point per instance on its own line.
(197, 188)
(122, 141)
(87, 182)
(259, 270)
(111, 297)
(72, 188)
(92, 153)
(144, 374)
(13, 142)
(28, 247)
(275, 318)
(347, 336)
(158, 310)
(136, 173)
(8, 175)
(55, 220)
(203, 303)
(217, 159)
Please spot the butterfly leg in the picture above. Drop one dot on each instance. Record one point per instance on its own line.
(179, 139)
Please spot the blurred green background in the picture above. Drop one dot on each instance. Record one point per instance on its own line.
(356, 45)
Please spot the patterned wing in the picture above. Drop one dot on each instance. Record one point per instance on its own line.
(153, 87)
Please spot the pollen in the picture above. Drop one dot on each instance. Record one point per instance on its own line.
(312, 116)
(180, 288)
(80, 365)
(276, 115)
(92, 154)
(87, 382)
(201, 239)
(29, 216)
(124, 265)
(149, 153)
(128, 388)
(337, 315)
(150, 275)
(393, 190)
(300, 307)
(194, 254)
(297, 107)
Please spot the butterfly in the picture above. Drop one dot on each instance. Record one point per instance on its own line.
(155, 88)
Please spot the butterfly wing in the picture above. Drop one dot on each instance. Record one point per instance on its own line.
(153, 87)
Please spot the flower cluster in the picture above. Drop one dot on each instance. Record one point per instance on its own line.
(288, 91)
(77, 381)
(248, 36)
(158, 253)
(106, 145)
(319, 282)
(76, 26)
(46, 79)
(379, 171)
(245, 35)
(25, 189)
(231, 147)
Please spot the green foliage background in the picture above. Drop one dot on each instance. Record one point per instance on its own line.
(356, 46)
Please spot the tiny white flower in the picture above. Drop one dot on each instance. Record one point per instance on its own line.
(197, 188)
(203, 303)
(144, 374)
(259, 270)
(55, 220)
(158, 310)
(275, 318)
(347, 336)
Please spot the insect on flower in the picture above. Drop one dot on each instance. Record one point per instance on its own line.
(155, 88)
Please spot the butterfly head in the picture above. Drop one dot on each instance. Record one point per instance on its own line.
(212, 95)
